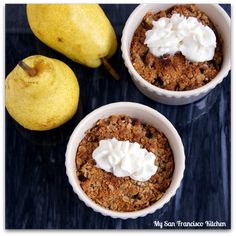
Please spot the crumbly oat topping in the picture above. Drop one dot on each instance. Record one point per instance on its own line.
(174, 72)
(124, 194)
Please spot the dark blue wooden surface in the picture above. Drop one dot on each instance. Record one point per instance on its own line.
(38, 194)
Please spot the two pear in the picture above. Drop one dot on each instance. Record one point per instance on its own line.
(49, 97)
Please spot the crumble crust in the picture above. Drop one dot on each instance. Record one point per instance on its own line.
(174, 72)
(123, 193)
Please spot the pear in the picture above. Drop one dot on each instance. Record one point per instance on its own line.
(82, 32)
(41, 93)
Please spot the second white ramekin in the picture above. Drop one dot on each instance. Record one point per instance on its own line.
(222, 23)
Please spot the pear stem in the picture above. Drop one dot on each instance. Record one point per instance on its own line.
(29, 70)
(110, 69)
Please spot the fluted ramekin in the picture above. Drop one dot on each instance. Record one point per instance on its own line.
(221, 21)
(146, 115)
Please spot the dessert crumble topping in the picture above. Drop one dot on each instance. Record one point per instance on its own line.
(174, 72)
(124, 194)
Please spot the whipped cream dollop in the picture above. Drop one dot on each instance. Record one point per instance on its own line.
(180, 34)
(123, 158)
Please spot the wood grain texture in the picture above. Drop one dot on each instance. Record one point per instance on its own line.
(38, 194)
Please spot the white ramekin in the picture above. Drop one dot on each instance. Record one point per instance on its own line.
(146, 115)
(221, 21)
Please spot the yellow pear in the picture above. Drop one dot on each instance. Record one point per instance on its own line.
(41, 93)
(81, 32)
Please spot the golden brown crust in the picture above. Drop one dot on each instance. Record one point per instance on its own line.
(124, 194)
(174, 72)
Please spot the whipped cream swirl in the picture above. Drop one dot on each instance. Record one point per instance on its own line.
(180, 34)
(123, 158)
